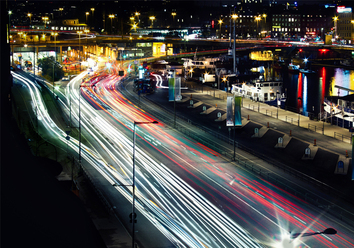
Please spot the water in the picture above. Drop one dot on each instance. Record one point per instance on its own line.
(307, 92)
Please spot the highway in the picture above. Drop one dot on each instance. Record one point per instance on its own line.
(187, 191)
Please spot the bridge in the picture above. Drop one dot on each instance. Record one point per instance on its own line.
(110, 45)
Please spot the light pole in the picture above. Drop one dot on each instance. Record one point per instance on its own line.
(220, 23)
(331, 231)
(257, 18)
(265, 23)
(234, 16)
(152, 18)
(45, 19)
(86, 32)
(55, 57)
(30, 17)
(335, 25)
(111, 16)
(9, 29)
(173, 17)
(93, 18)
(61, 11)
(79, 33)
(133, 185)
(80, 86)
(300, 108)
(138, 15)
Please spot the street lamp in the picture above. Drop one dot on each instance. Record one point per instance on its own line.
(138, 15)
(9, 13)
(86, 32)
(87, 14)
(257, 18)
(152, 18)
(55, 56)
(45, 19)
(111, 16)
(173, 16)
(220, 23)
(335, 25)
(79, 33)
(327, 231)
(133, 185)
(300, 108)
(234, 16)
(30, 17)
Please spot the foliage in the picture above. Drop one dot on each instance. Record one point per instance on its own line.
(47, 64)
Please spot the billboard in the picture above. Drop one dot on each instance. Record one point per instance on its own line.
(171, 86)
(229, 117)
(178, 95)
(237, 109)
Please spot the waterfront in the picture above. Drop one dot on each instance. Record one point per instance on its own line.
(308, 90)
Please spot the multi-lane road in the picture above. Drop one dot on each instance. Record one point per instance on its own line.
(185, 192)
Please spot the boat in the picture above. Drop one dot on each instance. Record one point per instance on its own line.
(340, 109)
(202, 63)
(293, 68)
(307, 71)
(267, 92)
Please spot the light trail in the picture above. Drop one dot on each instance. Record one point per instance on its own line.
(173, 205)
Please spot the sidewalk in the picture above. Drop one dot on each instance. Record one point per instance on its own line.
(339, 138)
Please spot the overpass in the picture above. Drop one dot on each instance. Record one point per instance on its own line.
(109, 45)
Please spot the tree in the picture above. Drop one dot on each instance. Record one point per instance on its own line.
(47, 68)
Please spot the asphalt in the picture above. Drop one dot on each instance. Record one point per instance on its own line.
(94, 226)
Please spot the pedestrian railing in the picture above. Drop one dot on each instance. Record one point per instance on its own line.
(342, 137)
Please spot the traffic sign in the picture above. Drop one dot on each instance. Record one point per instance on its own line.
(307, 151)
(280, 140)
(256, 130)
(204, 108)
(219, 114)
(340, 165)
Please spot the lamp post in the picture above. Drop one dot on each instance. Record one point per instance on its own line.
(111, 16)
(45, 19)
(55, 57)
(30, 17)
(138, 15)
(335, 25)
(331, 231)
(234, 16)
(257, 18)
(132, 19)
(79, 33)
(220, 23)
(9, 13)
(61, 11)
(86, 32)
(173, 17)
(300, 108)
(93, 18)
(265, 24)
(133, 185)
(81, 86)
(87, 14)
(152, 18)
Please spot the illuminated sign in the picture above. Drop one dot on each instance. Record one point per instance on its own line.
(343, 9)
(276, 26)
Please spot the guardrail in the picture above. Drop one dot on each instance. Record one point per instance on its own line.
(342, 137)
(314, 128)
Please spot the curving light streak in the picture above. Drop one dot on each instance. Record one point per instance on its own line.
(181, 213)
